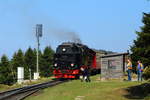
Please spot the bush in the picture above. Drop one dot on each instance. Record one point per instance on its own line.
(146, 73)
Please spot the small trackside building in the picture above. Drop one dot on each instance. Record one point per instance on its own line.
(113, 65)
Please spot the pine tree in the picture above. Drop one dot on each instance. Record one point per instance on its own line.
(46, 62)
(141, 47)
(30, 62)
(14, 66)
(17, 61)
(5, 71)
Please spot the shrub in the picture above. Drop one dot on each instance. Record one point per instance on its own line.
(146, 73)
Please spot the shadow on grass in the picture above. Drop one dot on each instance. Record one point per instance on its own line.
(138, 92)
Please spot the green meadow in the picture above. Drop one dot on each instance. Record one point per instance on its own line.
(96, 90)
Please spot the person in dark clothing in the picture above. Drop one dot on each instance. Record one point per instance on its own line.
(86, 75)
(82, 74)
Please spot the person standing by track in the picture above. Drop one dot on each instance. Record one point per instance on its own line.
(82, 74)
(140, 68)
(86, 75)
(129, 69)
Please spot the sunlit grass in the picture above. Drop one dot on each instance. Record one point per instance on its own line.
(76, 90)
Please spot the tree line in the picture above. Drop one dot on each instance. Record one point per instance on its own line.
(27, 59)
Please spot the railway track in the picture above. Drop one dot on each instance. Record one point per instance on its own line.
(21, 93)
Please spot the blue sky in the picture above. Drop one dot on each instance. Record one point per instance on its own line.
(100, 24)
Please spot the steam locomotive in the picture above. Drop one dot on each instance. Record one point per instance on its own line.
(70, 57)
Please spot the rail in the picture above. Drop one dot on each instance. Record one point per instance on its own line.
(21, 93)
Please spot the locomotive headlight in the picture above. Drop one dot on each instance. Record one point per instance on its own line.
(55, 65)
(72, 65)
(63, 49)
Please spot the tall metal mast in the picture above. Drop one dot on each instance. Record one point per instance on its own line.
(38, 35)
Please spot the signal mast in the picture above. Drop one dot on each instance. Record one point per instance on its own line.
(38, 35)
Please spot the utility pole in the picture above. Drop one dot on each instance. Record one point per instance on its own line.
(38, 35)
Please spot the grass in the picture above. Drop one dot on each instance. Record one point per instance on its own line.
(76, 90)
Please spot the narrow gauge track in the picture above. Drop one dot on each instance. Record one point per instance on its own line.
(21, 93)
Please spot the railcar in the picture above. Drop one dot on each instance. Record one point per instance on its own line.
(70, 57)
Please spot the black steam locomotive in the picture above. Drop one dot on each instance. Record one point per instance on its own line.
(70, 57)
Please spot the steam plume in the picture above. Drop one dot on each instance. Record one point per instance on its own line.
(66, 35)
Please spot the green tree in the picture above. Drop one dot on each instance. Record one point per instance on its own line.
(5, 71)
(141, 47)
(17, 61)
(30, 62)
(46, 62)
